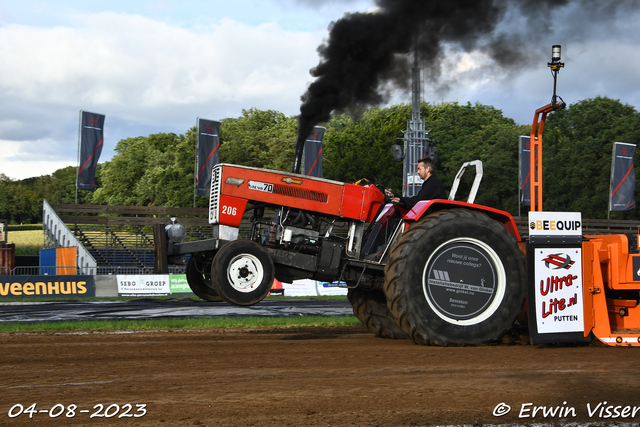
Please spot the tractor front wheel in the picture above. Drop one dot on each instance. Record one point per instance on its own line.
(242, 272)
(456, 277)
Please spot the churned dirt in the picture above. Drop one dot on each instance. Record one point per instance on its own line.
(306, 377)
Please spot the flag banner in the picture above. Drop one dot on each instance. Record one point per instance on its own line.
(525, 170)
(91, 139)
(313, 153)
(623, 178)
(207, 154)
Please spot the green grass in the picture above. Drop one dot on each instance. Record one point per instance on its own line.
(27, 241)
(199, 323)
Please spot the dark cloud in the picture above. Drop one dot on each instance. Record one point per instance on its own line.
(367, 54)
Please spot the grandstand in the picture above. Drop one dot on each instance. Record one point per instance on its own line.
(117, 239)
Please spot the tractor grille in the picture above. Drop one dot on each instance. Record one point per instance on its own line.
(300, 193)
(214, 196)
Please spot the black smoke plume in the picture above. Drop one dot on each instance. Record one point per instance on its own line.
(368, 54)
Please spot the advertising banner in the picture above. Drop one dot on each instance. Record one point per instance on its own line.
(313, 153)
(555, 299)
(143, 285)
(47, 286)
(558, 290)
(556, 224)
(332, 288)
(524, 158)
(207, 154)
(308, 287)
(91, 139)
(178, 285)
(300, 288)
(156, 285)
(623, 178)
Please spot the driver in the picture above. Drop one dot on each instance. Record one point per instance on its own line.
(432, 187)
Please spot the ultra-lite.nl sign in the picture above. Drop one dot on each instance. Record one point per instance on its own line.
(558, 290)
(556, 281)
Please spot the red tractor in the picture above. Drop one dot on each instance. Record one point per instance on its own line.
(446, 272)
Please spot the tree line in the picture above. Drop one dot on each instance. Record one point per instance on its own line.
(158, 170)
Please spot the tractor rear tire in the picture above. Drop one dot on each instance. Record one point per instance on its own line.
(199, 276)
(456, 277)
(370, 307)
(242, 272)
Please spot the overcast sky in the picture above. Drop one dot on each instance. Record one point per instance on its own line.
(156, 65)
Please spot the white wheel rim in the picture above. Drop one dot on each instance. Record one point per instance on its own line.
(499, 292)
(245, 273)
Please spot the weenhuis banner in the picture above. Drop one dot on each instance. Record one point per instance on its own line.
(47, 286)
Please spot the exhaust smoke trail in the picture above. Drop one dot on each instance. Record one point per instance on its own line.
(367, 54)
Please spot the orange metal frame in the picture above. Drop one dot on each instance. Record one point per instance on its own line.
(536, 157)
(607, 264)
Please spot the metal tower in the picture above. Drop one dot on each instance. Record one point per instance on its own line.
(416, 142)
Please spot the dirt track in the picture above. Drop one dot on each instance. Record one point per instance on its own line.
(311, 376)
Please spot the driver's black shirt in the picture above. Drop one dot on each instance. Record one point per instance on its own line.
(432, 188)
